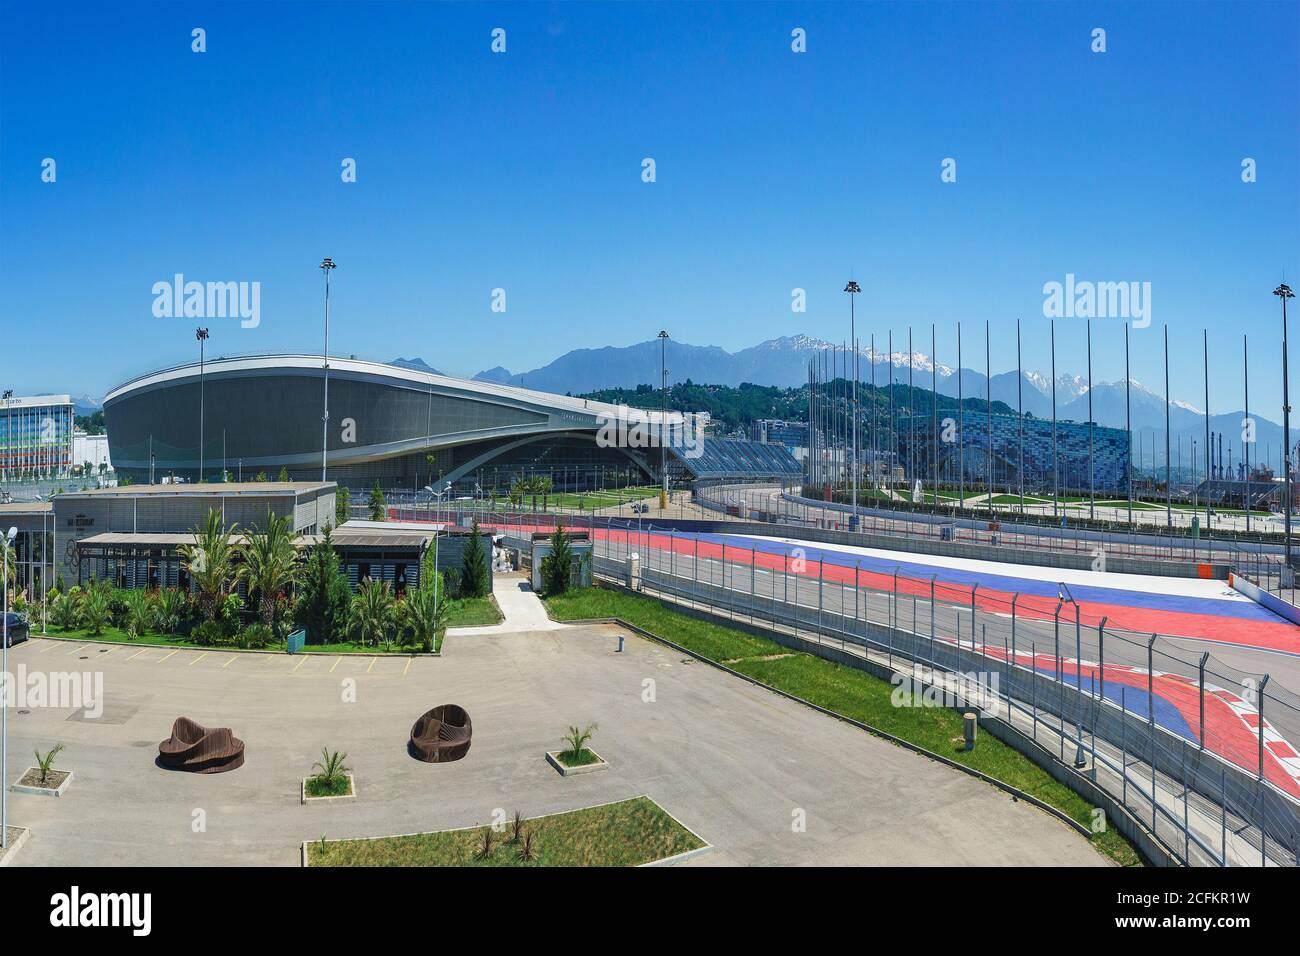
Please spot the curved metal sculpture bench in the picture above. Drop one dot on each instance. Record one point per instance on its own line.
(441, 735)
(197, 749)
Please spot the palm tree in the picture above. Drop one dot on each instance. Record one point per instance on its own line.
(372, 610)
(331, 766)
(270, 563)
(210, 562)
(425, 612)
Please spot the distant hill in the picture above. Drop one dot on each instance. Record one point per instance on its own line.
(417, 364)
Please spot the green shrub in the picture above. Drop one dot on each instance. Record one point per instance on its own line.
(209, 633)
(256, 636)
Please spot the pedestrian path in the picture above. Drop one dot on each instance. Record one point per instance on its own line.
(522, 609)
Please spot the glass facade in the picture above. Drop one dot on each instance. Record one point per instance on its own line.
(35, 436)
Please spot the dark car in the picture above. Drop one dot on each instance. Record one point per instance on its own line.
(18, 627)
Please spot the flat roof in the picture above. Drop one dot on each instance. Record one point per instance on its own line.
(34, 401)
(211, 489)
(356, 538)
(26, 507)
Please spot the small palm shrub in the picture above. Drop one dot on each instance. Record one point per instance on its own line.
(46, 764)
(66, 613)
(332, 779)
(209, 633)
(139, 616)
(171, 610)
(96, 610)
(577, 752)
(256, 636)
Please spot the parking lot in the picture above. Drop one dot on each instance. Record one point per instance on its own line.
(739, 765)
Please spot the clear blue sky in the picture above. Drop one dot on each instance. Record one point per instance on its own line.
(522, 171)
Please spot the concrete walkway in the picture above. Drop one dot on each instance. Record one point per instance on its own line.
(522, 609)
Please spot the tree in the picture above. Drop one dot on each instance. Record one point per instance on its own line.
(378, 503)
(372, 611)
(474, 579)
(260, 476)
(342, 505)
(284, 474)
(323, 595)
(210, 562)
(424, 612)
(270, 563)
(556, 566)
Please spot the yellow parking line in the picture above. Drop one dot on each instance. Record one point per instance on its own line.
(75, 649)
(372, 664)
(408, 666)
(229, 662)
(199, 658)
(163, 658)
(138, 653)
(301, 660)
(50, 646)
(336, 663)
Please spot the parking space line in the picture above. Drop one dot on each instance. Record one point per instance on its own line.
(75, 649)
(408, 666)
(163, 658)
(372, 664)
(301, 660)
(50, 646)
(199, 658)
(336, 663)
(229, 662)
(138, 653)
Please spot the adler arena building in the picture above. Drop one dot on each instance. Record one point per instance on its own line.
(404, 427)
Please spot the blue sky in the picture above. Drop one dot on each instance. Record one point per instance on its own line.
(522, 171)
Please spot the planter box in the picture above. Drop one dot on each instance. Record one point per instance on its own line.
(306, 799)
(14, 844)
(64, 777)
(553, 758)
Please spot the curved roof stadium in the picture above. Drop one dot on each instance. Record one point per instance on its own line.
(263, 413)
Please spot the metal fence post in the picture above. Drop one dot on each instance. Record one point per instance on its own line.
(1262, 685)
(1123, 747)
(1151, 692)
(753, 582)
(974, 588)
(1201, 683)
(1223, 814)
(1056, 632)
(821, 585)
(1101, 660)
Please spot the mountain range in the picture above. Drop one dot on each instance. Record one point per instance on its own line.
(784, 362)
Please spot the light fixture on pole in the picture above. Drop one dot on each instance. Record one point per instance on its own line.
(1284, 292)
(4, 704)
(327, 266)
(202, 336)
(852, 288)
(663, 418)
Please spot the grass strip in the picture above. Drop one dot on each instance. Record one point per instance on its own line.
(844, 690)
(627, 833)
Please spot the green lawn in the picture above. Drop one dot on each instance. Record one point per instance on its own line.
(627, 833)
(470, 612)
(845, 690)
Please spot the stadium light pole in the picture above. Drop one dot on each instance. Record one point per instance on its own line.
(327, 266)
(852, 288)
(4, 704)
(1284, 292)
(202, 336)
(663, 418)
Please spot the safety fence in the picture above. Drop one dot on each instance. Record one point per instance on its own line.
(1172, 739)
(998, 530)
